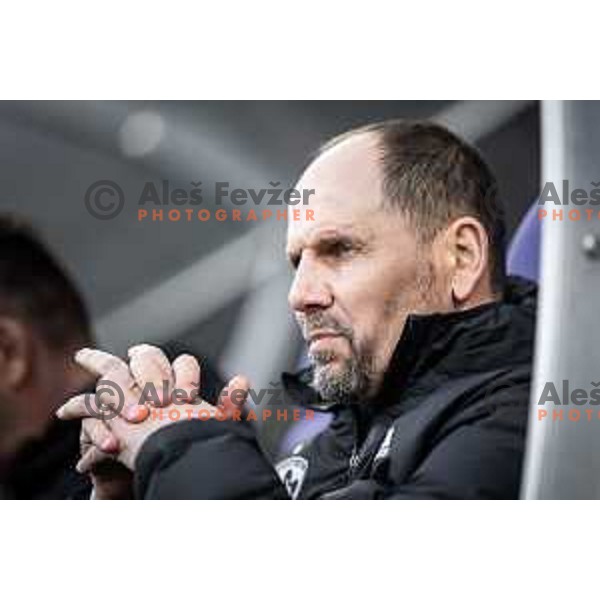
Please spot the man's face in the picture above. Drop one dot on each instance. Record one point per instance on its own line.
(358, 272)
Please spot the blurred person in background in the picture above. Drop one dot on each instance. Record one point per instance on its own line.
(419, 344)
(43, 320)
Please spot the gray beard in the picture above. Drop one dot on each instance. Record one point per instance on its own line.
(348, 383)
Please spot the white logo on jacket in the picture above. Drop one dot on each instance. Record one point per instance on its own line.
(292, 471)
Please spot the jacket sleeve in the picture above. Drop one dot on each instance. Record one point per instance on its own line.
(205, 460)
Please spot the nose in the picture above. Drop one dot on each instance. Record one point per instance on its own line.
(310, 288)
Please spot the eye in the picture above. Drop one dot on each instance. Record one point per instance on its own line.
(341, 247)
(337, 248)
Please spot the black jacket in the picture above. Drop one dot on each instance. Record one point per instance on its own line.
(449, 422)
(44, 468)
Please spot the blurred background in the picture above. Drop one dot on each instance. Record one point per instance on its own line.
(219, 288)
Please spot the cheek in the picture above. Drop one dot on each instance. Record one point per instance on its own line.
(357, 295)
(377, 322)
(367, 324)
(373, 294)
(355, 306)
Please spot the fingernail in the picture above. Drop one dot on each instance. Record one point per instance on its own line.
(137, 349)
(107, 445)
(136, 413)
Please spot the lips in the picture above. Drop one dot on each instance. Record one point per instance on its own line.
(321, 335)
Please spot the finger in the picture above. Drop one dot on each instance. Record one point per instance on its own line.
(101, 406)
(78, 407)
(122, 393)
(110, 400)
(99, 362)
(95, 434)
(234, 395)
(116, 375)
(116, 389)
(152, 372)
(85, 441)
(91, 459)
(98, 434)
(187, 377)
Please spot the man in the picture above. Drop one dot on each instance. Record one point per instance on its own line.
(418, 344)
(42, 321)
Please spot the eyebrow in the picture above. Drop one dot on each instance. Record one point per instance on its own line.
(328, 237)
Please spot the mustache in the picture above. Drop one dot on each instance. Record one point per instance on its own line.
(319, 320)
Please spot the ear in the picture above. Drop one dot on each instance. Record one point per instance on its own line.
(468, 248)
(15, 353)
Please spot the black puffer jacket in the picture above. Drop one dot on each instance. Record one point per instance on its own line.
(449, 422)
